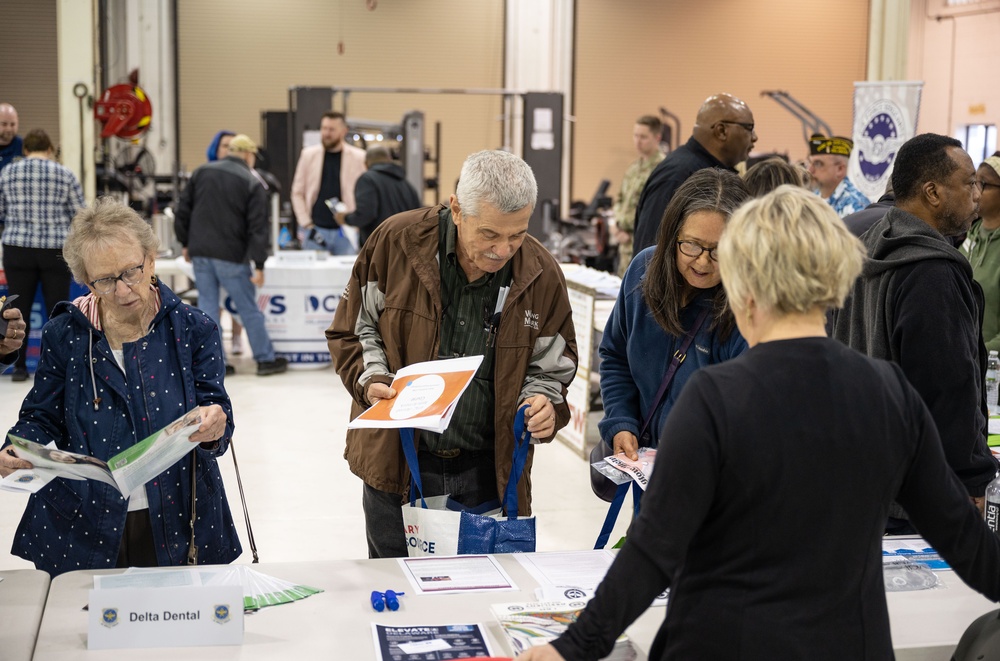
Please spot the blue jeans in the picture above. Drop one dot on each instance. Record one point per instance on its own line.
(469, 478)
(209, 274)
(336, 242)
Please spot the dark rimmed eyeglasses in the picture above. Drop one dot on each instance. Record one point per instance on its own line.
(749, 126)
(983, 185)
(692, 249)
(130, 277)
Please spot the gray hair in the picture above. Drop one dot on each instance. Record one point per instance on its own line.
(107, 223)
(497, 178)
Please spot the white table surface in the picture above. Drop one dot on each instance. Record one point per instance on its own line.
(22, 600)
(336, 624)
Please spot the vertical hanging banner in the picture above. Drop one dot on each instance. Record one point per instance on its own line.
(885, 116)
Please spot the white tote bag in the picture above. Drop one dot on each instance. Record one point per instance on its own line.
(434, 530)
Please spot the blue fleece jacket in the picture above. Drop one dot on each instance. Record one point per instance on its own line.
(636, 352)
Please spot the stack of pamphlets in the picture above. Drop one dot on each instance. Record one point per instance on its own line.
(259, 590)
(537, 623)
(126, 471)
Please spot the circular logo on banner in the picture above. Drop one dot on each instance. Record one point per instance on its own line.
(880, 139)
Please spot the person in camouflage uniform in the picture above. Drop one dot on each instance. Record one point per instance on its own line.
(647, 142)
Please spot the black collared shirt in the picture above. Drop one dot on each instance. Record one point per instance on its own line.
(468, 328)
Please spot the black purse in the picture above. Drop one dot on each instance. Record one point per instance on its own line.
(603, 487)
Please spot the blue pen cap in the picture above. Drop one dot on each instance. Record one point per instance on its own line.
(391, 599)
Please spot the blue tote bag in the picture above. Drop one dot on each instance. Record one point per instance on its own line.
(446, 527)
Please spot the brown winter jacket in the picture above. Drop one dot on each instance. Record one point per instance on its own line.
(390, 317)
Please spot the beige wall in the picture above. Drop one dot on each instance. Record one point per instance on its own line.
(238, 57)
(954, 52)
(633, 57)
(29, 80)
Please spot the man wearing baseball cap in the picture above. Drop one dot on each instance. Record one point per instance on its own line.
(828, 159)
(222, 224)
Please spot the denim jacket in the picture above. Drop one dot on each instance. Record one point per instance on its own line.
(84, 402)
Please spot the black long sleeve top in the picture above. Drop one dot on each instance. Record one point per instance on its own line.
(774, 476)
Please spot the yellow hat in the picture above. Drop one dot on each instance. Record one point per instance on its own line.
(242, 144)
(818, 144)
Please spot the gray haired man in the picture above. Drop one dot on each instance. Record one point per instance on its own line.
(456, 280)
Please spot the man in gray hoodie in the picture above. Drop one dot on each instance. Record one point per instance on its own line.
(917, 305)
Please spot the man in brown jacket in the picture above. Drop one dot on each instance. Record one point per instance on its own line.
(454, 280)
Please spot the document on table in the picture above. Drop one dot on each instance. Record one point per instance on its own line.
(430, 643)
(571, 574)
(148, 579)
(571, 569)
(456, 574)
(914, 549)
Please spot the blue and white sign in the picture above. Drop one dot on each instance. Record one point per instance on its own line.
(885, 116)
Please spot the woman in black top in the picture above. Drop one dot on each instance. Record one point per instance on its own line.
(775, 472)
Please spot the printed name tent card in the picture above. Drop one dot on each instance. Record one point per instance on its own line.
(163, 609)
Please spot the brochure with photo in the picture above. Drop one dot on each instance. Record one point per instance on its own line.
(125, 471)
(532, 624)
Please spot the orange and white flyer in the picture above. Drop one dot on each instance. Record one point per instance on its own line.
(426, 394)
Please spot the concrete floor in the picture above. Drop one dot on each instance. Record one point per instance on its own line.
(304, 502)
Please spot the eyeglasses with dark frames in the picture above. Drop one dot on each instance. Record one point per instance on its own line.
(692, 249)
(130, 277)
(983, 185)
(748, 126)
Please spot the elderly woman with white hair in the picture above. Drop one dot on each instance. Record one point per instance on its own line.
(116, 365)
(776, 471)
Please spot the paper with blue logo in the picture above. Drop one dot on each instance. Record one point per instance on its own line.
(912, 548)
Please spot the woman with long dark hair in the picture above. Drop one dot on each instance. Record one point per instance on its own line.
(669, 291)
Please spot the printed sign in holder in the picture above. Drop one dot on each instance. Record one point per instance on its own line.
(188, 616)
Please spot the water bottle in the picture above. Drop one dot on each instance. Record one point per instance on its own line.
(992, 511)
(992, 382)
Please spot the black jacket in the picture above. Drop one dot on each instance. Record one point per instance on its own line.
(917, 305)
(223, 214)
(659, 189)
(381, 192)
(859, 222)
